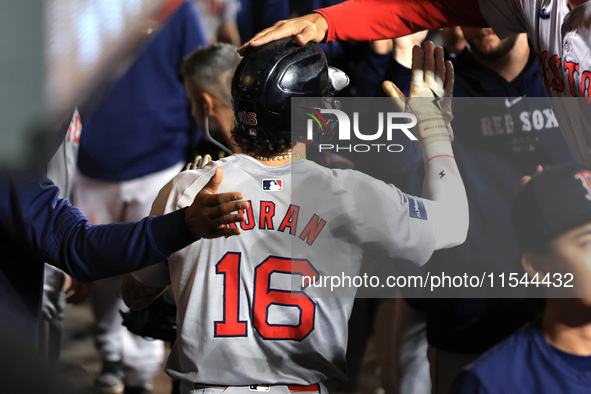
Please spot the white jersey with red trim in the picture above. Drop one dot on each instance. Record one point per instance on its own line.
(562, 39)
(257, 308)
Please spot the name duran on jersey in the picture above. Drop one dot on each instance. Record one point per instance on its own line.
(267, 220)
(552, 68)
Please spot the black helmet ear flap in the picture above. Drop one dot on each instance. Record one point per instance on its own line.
(338, 79)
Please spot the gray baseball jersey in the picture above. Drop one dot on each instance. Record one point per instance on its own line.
(241, 320)
(562, 39)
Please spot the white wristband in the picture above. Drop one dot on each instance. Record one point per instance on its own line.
(436, 128)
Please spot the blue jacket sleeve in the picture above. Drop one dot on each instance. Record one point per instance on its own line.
(34, 217)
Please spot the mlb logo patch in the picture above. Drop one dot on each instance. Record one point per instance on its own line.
(252, 132)
(272, 185)
(259, 387)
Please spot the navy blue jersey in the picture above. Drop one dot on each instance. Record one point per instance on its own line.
(144, 124)
(524, 363)
(491, 159)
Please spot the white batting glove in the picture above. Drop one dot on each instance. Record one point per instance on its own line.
(431, 90)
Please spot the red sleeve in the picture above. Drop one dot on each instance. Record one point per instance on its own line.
(367, 20)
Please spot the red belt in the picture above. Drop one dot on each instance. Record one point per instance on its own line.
(302, 389)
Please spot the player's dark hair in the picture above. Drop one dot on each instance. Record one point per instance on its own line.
(265, 147)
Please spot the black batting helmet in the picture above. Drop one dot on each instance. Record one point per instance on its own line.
(269, 76)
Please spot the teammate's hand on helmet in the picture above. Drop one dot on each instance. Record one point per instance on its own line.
(432, 78)
(311, 27)
(198, 163)
(210, 212)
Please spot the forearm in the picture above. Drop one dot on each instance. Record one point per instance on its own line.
(444, 186)
(137, 295)
(94, 252)
(32, 215)
(228, 33)
(430, 101)
(367, 20)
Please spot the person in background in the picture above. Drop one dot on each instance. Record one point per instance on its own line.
(134, 142)
(453, 39)
(219, 19)
(207, 75)
(460, 329)
(256, 15)
(551, 218)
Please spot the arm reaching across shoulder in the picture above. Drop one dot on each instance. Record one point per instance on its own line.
(430, 101)
(368, 20)
(34, 219)
(209, 214)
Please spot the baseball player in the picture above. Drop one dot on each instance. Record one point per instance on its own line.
(239, 325)
(551, 220)
(559, 30)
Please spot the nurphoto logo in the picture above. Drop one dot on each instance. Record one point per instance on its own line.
(348, 133)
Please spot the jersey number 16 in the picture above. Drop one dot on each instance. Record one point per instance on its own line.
(264, 297)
